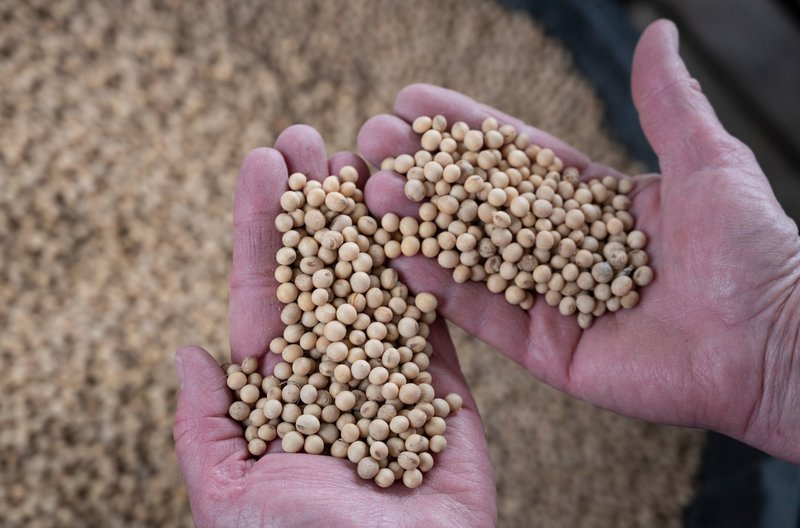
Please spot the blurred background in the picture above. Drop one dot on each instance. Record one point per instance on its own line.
(122, 125)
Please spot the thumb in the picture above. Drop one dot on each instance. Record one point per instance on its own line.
(676, 117)
(205, 437)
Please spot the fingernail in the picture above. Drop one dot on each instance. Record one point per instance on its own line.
(179, 369)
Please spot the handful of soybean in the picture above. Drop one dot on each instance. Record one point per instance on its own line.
(352, 377)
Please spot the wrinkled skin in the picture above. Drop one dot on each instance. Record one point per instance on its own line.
(712, 343)
(228, 488)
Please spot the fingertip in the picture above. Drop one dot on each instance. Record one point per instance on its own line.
(262, 160)
(187, 353)
(668, 28)
(345, 158)
(677, 118)
(384, 194)
(192, 361)
(262, 171)
(304, 151)
(201, 376)
(386, 135)
(411, 94)
(655, 53)
(421, 273)
(368, 138)
(429, 100)
(298, 133)
(184, 351)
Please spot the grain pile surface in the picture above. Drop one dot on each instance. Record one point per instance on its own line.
(122, 125)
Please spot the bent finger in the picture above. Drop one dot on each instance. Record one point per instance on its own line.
(385, 135)
(345, 158)
(384, 194)
(304, 151)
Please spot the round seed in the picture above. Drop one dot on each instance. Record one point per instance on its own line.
(643, 276)
(384, 478)
(292, 442)
(368, 467)
(621, 286)
(237, 380)
(307, 424)
(494, 208)
(314, 445)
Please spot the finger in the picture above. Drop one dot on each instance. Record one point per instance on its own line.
(540, 340)
(425, 99)
(386, 135)
(304, 151)
(206, 439)
(344, 158)
(444, 368)
(470, 305)
(676, 117)
(464, 432)
(254, 313)
(384, 194)
(464, 427)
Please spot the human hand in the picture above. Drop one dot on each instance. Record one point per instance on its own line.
(226, 486)
(714, 340)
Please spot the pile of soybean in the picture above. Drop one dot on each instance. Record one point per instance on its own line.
(352, 381)
(499, 209)
(352, 378)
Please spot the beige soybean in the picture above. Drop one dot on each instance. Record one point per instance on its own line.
(342, 305)
(524, 213)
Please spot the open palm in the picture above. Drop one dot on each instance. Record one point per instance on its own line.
(226, 486)
(712, 341)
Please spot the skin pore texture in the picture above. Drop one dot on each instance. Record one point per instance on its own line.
(713, 342)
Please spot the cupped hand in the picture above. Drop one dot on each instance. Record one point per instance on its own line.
(226, 486)
(714, 340)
